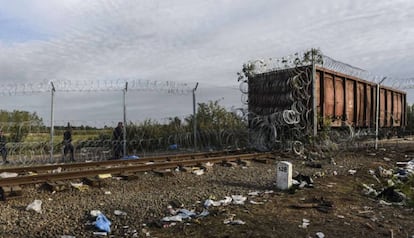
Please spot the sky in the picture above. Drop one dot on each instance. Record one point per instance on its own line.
(184, 41)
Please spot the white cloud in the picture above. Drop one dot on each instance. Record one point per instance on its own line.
(204, 41)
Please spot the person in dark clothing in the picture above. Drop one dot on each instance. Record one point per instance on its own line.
(3, 149)
(117, 138)
(67, 143)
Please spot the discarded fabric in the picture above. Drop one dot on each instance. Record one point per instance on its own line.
(36, 206)
(102, 223)
(8, 175)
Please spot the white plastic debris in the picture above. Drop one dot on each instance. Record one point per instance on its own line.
(256, 203)
(226, 201)
(387, 159)
(120, 213)
(305, 223)
(95, 213)
(234, 222)
(8, 175)
(238, 199)
(107, 193)
(368, 190)
(100, 233)
(57, 170)
(352, 171)
(76, 185)
(255, 193)
(320, 235)
(36, 206)
(198, 172)
(67, 236)
(210, 202)
(173, 218)
(382, 202)
(204, 213)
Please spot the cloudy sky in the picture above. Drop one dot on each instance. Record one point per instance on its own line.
(184, 41)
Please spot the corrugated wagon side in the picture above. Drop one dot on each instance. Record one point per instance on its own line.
(298, 98)
(343, 99)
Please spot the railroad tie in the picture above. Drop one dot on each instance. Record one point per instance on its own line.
(10, 192)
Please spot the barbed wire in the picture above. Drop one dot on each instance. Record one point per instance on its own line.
(170, 87)
(261, 66)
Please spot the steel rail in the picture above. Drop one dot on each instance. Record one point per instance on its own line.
(94, 164)
(125, 169)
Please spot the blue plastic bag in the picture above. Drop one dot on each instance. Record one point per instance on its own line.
(130, 157)
(102, 223)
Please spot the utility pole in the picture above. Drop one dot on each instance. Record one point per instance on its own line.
(124, 129)
(377, 112)
(51, 121)
(195, 118)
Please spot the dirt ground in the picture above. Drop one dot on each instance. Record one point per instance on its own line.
(335, 207)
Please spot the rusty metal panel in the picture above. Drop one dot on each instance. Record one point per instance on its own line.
(360, 105)
(382, 108)
(339, 100)
(318, 92)
(368, 106)
(397, 109)
(350, 98)
(389, 107)
(329, 96)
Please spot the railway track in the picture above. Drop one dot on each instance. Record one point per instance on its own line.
(96, 164)
(118, 167)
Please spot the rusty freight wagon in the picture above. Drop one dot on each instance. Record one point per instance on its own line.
(283, 95)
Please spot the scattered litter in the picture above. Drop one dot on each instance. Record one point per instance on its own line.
(255, 193)
(102, 223)
(368, 190)
(234, 222)
(79, 186)
(385, 173)
(130, 157)
(341, 216)
(67, 236)
(120, 213)
(320, 235)
(305, 223)
(303, 181)
(8, 175)
(391, 195)
(57, 170)
(184, 213)
(256, 203)
(204, 213)
(231, 221)
(149, 163)
(95, 213)
(107, 193)
(36, 206)
(387, 159)
(352, 171)
(238, 199)
(198, 172)
(173, 218)
(100, 233)
(382, 202)
(226, 201)
(268, 191)
(335, 173)
(104, 176)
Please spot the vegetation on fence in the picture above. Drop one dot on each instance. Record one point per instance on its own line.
(216, 128)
